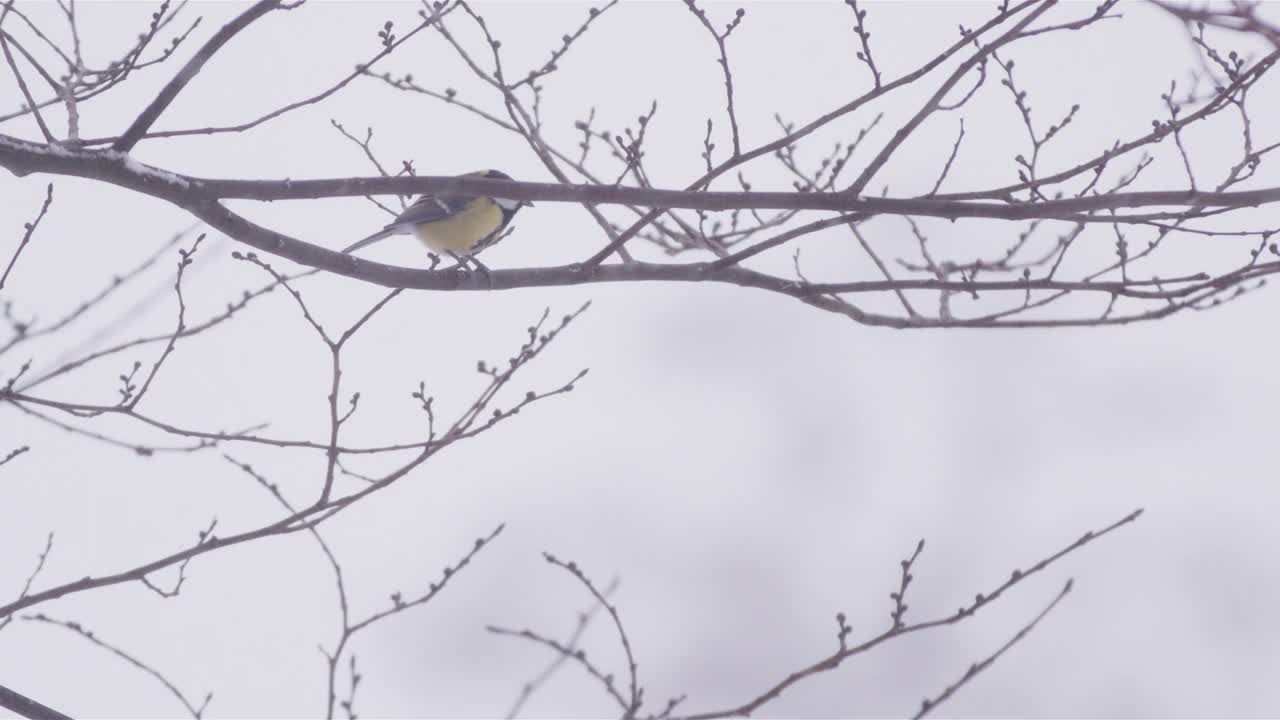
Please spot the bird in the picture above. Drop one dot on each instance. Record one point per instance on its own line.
(456, 225)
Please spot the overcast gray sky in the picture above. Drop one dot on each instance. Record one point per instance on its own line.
(746, 466)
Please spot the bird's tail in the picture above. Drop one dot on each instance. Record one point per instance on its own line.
(382, 234)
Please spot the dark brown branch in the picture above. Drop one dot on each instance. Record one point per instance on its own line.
(1241, 17)
(935, 101)
(478, 418)
(137, 448)
(939, 206)
(31, 60)
(349, 629)
(565, 651)
(28, 230)
(35, 29)
(566, 42)
(1099, 13)
(820, 122)
(946, 168)
(884, 270)
(31, 578)
(77, 628)
(721, 38)
(133, 398)
(636, 693)
(195, 194)
(335, 356)
(170, 91)
(186, 193)
(26, 707)
(569, 652)
(17, 75)
(14, 453)
(83, 83)
(928, 706)
(844, 651)
(231, 310)
(85, 306)
(864, 35)
(390, 44)
(23, 158)
(527, 127)
(1220, 101)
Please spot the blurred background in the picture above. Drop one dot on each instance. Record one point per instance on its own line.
(743, 465)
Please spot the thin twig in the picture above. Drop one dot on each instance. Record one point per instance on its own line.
(196, 711)
(927, 705)
(29, 230)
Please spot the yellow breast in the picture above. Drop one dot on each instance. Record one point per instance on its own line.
(462, 232)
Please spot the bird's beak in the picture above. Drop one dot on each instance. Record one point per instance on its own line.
(526, 203)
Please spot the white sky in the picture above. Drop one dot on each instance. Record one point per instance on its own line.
(747, 466)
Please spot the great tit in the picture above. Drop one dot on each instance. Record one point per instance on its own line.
(458, 226)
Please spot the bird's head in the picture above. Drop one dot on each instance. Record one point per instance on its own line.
(509, 205)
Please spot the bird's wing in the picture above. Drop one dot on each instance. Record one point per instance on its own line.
(431, 208)
(426, 209)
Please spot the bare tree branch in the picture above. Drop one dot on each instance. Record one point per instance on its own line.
(845, 650)
(170, 91)
(29, 230)
(26, 707)
(927, 706)
(196, 711)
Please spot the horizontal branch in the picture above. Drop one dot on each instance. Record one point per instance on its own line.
(1065, 208)
(200, 198)
(22, 157)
